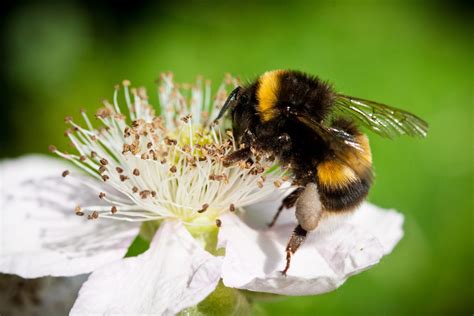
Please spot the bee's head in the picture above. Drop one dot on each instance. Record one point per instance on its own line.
(240, 112)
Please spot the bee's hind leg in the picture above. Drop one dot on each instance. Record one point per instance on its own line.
(287, 202)
(308, 213)
(297, 238)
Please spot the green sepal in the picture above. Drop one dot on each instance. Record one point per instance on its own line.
(141, 243)
(223, 301)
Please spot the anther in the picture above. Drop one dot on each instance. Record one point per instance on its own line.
(123, 178)
(93, 154)
(65, 173)
(136, 172)
(113, 210)
(118, 169)
(219, 177)
(186, 118)
(144, 194)
(170, 141)
(173, 169)
(218, 223)
(204, 208)
(105, 177)
(103, 161)
(101, 195)
(93, 215)
(102, 169)
(82, 158)
(232, 207)
(52, 148)
(134, 189)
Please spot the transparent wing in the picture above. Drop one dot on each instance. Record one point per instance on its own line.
(338, 139)
(380, 118)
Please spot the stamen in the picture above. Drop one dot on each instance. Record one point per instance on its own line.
(146, 154)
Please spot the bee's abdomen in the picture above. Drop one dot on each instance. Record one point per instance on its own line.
(343, 198)
(344, 183)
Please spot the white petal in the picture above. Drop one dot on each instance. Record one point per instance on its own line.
(386, 225)
(342, 246)
(39, 233)
(258, 215)
(175, 273)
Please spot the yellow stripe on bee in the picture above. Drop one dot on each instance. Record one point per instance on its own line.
(335, 175)
(267, 94)
(363, 140)
(360, 160)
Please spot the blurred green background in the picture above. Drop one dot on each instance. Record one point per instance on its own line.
(58, 57)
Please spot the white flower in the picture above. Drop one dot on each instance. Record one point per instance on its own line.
(169, 168)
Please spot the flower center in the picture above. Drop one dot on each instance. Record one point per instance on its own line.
(167, 166)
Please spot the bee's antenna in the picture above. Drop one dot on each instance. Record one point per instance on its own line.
(226, 105)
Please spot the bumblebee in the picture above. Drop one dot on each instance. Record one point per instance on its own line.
(315, 132)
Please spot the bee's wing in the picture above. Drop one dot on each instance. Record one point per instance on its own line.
(380, 118)
(338, 139)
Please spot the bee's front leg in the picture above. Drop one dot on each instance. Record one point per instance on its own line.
(236, 156)
(308, 213)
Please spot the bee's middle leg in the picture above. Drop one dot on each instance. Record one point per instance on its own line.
(308, 213)
(287, 202)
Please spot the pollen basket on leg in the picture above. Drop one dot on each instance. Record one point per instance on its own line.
(167, 166)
